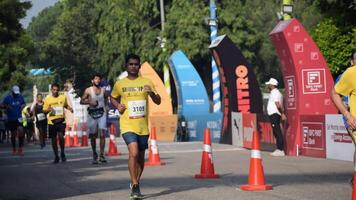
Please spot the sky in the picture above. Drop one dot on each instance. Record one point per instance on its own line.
(37, 6)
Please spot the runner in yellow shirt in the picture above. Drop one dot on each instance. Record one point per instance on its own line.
(130, 97)
(54, 106)
(347, 87)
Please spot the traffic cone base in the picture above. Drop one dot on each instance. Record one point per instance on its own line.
(256, 187)
(159, 163)
(202, 176)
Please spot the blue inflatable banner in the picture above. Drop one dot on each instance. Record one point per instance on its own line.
(192, 95)
(193, 101)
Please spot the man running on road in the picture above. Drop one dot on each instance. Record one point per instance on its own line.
(96, 98)
(54, 106)
(13, 103)
(130, 97)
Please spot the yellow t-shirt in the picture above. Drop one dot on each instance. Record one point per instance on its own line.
(58, 104)
(347, 87)
(134, 118)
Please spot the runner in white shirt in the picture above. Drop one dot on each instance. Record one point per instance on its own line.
(96, 98)
(275, 111)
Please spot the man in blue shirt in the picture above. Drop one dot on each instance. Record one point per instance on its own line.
(13, 103)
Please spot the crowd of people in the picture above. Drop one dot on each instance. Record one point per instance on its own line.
(129, 96)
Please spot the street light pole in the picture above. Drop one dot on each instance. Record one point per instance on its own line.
(167, 82)
(214, 68)
(161, 4)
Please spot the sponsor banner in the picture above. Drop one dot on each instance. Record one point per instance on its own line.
(191, 92)
(240, 89)
(197, 123)
(247, 120)
(237, 135)
(166, 127)
(307, 80)
(313, 134)
(339, 144)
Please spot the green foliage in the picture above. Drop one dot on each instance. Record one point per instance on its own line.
(78, 37)
(126, 26)
(336, 46)
(15, 45)
(71, 46)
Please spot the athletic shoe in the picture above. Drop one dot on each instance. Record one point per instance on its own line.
(20, 152)
(135, 192)
(95, 159)
(56, 160)
(63, 157)
(277, 153)
(102, 159)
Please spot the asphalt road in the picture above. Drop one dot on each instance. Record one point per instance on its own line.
(35, 177)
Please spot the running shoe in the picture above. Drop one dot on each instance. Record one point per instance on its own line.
(135, 192)
(20, 152)
(102, 159)
(95, 158)
(56, 160)
(14, 152)
(63, 157)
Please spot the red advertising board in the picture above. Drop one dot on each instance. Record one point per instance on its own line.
(247, 120)
(313, 133)
(307, 79)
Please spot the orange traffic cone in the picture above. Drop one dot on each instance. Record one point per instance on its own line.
(153, 153)
(67, 136)
(112, 144)
(207, 164)
(256, 178)
(354, 186)
(75, 136)
(84, 135)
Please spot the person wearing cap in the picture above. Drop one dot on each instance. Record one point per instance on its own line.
(13, 103)
(275, 111)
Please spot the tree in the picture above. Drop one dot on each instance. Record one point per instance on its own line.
(15, 45)
(71, 45)
(336, 33)
(127, 26)
(39, 29)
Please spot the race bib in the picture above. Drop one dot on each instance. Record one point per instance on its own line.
(58, 111)
(41, 116)
(137, 109)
